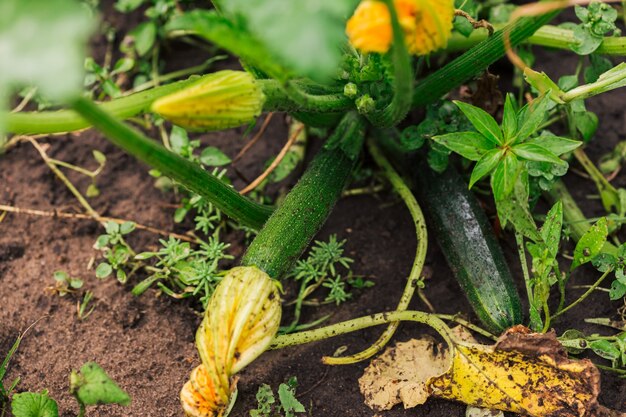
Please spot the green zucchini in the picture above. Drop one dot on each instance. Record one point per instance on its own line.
(293, 225)
(470, 247)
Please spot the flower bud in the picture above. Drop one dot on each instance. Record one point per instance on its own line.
(216, 101)
(241, 320)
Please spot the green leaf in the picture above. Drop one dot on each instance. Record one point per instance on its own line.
(288, 400)
(544, 84)
(617, 291)
(591, 243)
(214, 157)
(111, 227)
(598, 65)
(43, 45)
(303, 35)
(485, 165)
(504, 177)
(470, 145)
(463, 26)
(515, 209)
(534, 152)
(127, 227)
(103, 270)
(509, 118)
(179, 139)
(92, 386)
(32, 404)
(586, 123)
(92, 191)
(531, 116)
(145, 35)
(482, 121)
(127, 6)
(99, 156)
(551, 229)
(585, 43)
(605, 349)
(555, 144)
(604, 261)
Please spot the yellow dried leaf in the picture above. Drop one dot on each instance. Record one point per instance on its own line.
(399, 375)
(523, 372)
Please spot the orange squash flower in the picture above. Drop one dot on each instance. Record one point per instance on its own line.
(427, 25)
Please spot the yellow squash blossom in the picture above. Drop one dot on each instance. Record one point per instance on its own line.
(217, 101)
(427, 25)
(241, 320)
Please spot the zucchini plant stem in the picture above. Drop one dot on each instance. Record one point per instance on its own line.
(293, 225)
(402, 80)
(476, 60)
(360, 323)
(30, 123)
(548, 36)
(192, 176)
(418, 263)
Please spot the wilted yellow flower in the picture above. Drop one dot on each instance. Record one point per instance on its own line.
(216, 101)
(427, 25)
(241, 320)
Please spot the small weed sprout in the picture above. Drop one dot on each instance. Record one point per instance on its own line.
(288, 405)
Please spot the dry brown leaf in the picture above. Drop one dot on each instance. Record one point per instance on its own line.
(399, 375)
(523, 372)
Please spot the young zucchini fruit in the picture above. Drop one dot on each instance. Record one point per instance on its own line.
(470, 247)
(293, 225)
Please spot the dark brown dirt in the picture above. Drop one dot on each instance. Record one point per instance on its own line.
(146, 343)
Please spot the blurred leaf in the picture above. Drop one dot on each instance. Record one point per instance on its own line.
(145, 35)
(306, 36)
(103, 270)
(32, 404)
(92, 386)
(43, 45)
(598, 66)
(214, 157)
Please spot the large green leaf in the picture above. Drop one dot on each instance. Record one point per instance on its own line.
(555, 144)
(531, 116)
(306, 36)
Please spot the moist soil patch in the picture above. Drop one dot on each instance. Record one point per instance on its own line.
(146, 343)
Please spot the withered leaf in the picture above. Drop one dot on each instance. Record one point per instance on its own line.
(399, 375)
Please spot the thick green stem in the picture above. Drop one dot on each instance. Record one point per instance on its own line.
(30, 123)
(360, 323)
(476, 60)
(573, 216)
(418, 263)
(402, 81)
(293, 225)
(548, 36)
(190, 175)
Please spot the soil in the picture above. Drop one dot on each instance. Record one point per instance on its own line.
(146, 343)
